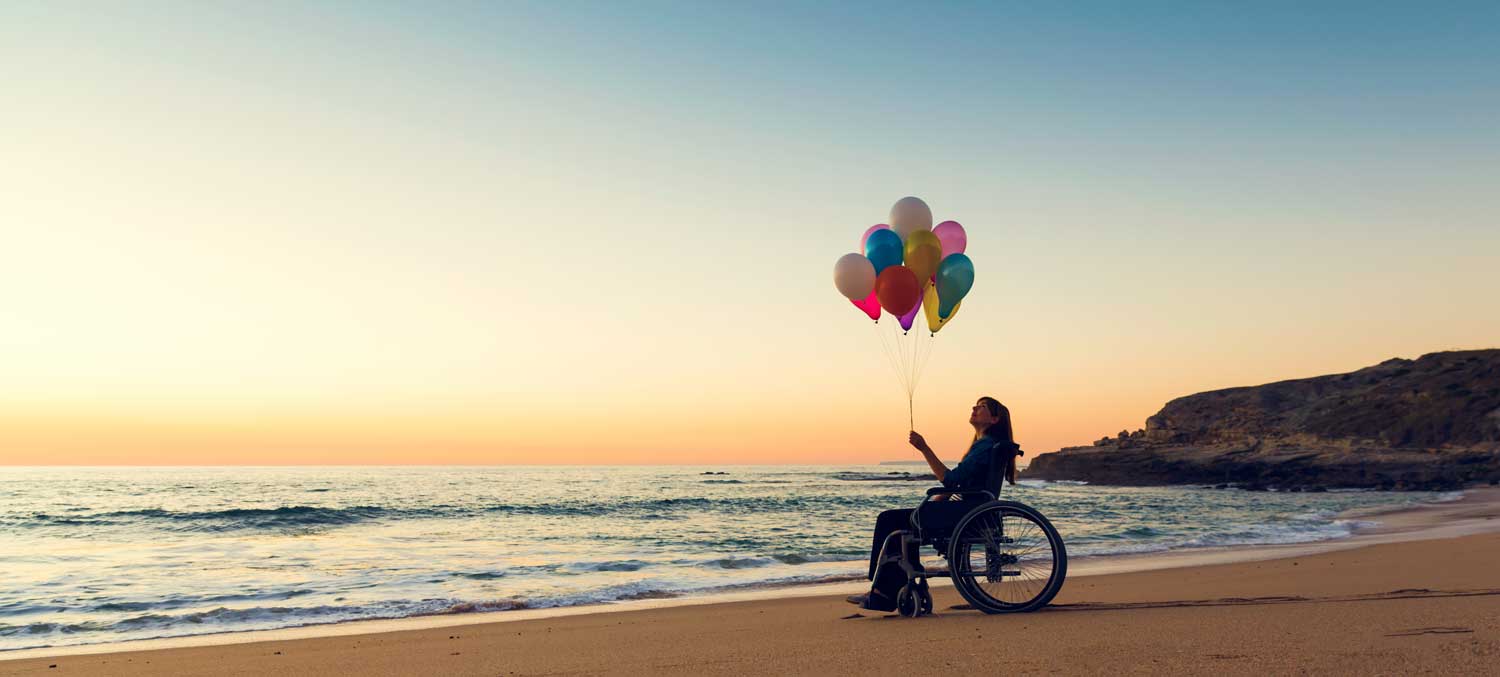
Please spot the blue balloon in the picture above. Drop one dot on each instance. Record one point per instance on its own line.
(883, 248)
(955, 276)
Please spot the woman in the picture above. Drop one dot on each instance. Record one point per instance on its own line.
(991, 421)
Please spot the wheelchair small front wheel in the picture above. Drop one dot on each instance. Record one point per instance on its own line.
(924, 601)
(1006, 557)
(908, 603)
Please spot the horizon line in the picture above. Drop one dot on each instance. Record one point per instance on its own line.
(420, 465)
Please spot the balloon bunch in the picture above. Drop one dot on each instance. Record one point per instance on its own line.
(906, 266)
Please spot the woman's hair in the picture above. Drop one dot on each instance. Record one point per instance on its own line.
(1001, 431)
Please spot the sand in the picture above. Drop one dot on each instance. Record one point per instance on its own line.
(1409, 606)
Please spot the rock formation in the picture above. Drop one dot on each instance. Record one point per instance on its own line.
(1428, 423)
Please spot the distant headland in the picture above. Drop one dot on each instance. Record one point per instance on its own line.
(1432, 423)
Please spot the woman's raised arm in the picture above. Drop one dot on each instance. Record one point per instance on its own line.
(938, 469)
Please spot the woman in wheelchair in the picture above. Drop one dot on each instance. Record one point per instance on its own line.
(993, 439)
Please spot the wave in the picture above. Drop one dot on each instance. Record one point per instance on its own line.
(1047, 483)
(791, 559)
(892, 476)
(1303, 528)
(310, 517)
(23, 608)
(622, 565)
(226, 619)
(260, 518)
(155, 625)
(727, 562)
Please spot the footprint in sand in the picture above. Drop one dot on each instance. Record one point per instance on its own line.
(1430, 631)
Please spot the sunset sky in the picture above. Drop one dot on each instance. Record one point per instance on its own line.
(267, 233)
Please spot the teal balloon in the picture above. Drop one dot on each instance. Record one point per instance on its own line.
(955, 276)
(883, 249)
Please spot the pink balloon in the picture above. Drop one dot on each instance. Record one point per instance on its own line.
(865, 238)
(952, 236)
(870, 305)
(910, 316)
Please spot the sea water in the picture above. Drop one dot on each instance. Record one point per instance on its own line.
(105, 554)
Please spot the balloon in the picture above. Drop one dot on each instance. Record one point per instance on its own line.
(910, 316)
(854, 275)
(923, 252)
(897, 289)
(955, 276)
(930, 309)
(870, 305)
(953, 237)
(909, 215)
(866, 237)
(883, 249)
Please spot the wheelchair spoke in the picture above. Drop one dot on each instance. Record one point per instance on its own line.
(1005, 556)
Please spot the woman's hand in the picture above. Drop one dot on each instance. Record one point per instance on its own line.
(917, 441)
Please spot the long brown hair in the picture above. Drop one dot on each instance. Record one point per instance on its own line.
(1002, 433)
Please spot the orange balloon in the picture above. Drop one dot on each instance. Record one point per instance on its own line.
(897, 289)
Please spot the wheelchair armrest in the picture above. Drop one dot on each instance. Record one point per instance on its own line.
(961, 492)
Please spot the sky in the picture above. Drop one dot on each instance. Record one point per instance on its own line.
(604, 233)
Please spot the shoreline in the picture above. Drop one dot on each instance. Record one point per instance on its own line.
(1471, 514)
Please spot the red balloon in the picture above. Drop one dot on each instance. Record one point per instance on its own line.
(870, 305)
(897, 289)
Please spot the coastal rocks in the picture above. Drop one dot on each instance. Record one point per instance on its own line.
(1425, 424)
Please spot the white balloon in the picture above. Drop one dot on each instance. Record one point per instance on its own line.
(910, 214)
(854, 275)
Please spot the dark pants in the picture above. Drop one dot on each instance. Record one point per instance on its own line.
(937, 516)
(891, 577)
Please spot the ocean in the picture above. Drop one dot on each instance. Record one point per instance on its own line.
(106, 554)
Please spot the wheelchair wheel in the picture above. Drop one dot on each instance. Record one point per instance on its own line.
(907, 603)
(1006, 557)
(913, 600)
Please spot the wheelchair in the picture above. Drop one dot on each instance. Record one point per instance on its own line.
(1003, 556)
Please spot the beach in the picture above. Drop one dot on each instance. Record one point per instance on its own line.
(540, 338)
(1419, 593)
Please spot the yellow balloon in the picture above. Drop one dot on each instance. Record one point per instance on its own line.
(923, 252)
(930, 308)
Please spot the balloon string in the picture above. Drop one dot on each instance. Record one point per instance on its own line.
(900, 346)
(914, 345)
(888, 350)
(885, 347)
(900, 354)
(927, 345)
(922, 351)
(908, 359)
(885, 350)
(903, 373)
(911, 398)
(922, 364)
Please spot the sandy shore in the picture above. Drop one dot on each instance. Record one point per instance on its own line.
(1392, 601)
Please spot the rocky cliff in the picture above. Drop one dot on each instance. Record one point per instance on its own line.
(1428, 423)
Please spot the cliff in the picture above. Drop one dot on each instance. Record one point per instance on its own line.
(1428, 423)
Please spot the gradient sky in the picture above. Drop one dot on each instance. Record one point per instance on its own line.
(604, 233)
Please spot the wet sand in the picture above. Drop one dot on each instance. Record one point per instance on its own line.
(1394, 600)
